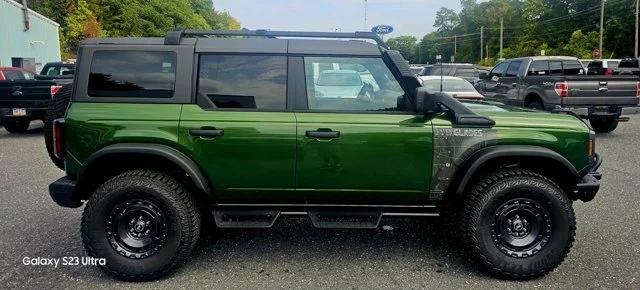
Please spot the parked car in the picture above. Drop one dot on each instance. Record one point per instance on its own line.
(23, 100)
(415, 69)
(159, 134)
(15, 73)
(558, 82)
(455, 86)
(467, 71)
(600, 66)
(339, 84)
(61, 72)
(628, 66)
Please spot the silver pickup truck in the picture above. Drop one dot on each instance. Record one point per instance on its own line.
(560, 83)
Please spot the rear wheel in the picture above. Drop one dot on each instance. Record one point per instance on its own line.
(518, 224)
(536, 105)
(16, 125)
(604, 124)
(143, 222)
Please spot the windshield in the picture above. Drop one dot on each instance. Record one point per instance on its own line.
(449, 85)
(339, 79)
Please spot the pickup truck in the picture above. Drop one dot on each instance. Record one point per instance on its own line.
(629, 66)
(22, 101)
(559, 83)
(61, 72)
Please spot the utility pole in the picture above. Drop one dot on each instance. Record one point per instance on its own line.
(637, 5)
(601, 26)
(502, 33)
(486, 51)
(481, 41)
(365, 16)
(455, 45)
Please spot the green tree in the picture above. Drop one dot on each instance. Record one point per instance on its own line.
(406, 45)
(581, 45)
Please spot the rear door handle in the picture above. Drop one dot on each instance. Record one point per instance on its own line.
(323, 134)
(206, 132)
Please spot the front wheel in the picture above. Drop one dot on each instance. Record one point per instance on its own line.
(518, 224)
(143, 222)
(604, 124)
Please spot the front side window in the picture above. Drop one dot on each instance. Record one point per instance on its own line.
(132, 74)
(514, 68)
(354, 84)
(244, 81)
(499, 70)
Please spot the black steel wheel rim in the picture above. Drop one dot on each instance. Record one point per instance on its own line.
(521, 227)
(136, 228)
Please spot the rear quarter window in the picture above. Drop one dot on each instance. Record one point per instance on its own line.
(132, 74)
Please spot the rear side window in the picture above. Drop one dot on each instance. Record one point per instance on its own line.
(132, 74)
(13, 75)
(555, 68)
(572, 68)
(514, 68)
(244, 81)
(538, 68)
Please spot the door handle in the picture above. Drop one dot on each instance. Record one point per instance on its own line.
(323, 134)
(206, 132)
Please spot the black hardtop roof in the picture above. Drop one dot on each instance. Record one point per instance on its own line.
(260, 41)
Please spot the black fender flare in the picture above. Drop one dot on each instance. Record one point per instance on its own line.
(171, 154)
(471, 165)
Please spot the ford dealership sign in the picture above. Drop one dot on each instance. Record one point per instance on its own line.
(382, 29)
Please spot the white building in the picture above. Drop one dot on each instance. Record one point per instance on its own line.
(29, 41)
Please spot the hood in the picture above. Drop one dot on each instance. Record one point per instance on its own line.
(510, 116)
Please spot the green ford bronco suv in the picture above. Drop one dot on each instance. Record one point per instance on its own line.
(241, 128)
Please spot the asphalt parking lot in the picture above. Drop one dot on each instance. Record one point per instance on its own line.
(408, 254)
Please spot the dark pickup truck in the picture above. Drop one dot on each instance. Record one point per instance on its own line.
(560, 83)
(628, 66)
(22, 101)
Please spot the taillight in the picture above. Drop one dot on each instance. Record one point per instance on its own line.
(562, 89)
(608, 72)
(591, 147)
(638, 89)
(54, 90)
(58, 138)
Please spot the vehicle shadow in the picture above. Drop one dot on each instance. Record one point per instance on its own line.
(414, 245)
(35, 129)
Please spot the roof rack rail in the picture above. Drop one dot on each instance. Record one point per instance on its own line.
(174, 37)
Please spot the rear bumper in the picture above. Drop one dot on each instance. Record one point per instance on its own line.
(594, 111)
(588, 185)
(62, 191)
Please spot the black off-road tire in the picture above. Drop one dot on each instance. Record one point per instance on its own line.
(177, 226)
(604, 124)
(57, 109)
(16, 125)
(517, 190)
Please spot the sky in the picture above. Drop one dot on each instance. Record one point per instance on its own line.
(408, 17)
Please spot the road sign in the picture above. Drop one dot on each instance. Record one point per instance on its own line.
(596, 53)
(382, 29)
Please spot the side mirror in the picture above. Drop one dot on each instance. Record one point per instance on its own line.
(430, 104)
(426, 102)
(483, 75)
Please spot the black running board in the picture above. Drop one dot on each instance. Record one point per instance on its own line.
(345, 219)
(234, 218)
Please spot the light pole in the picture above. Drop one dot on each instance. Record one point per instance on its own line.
(601, 26)
(365, 16)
